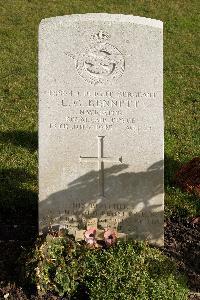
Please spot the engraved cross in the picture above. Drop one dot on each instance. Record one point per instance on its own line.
(101, 160)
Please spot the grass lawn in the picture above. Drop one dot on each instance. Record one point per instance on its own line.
(19, 29)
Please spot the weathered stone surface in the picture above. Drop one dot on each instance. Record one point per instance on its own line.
(101, 123)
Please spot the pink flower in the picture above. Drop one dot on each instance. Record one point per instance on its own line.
(90, 236)
(110, 237)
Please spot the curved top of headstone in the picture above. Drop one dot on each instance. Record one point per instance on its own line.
(105, 17)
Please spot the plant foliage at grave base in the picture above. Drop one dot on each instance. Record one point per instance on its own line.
(129, 270)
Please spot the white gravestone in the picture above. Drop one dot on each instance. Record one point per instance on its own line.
(101, 123)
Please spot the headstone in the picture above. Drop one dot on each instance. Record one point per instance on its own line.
(101, 124)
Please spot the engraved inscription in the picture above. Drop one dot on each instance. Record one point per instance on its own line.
(102, 110)
(111, 94)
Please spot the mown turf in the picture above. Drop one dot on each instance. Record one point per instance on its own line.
(19, 29)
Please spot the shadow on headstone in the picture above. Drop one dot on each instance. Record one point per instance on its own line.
(139, 189)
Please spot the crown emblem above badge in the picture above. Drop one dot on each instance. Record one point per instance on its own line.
(101, 36)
